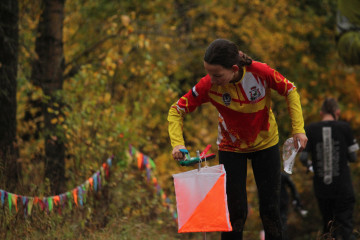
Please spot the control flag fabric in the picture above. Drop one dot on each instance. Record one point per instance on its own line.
(201, 200)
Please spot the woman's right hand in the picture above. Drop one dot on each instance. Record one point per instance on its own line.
(177, 155)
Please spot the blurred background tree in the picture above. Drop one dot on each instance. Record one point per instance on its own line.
(10, 169)
(47, 73)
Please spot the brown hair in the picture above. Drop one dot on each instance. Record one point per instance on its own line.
(225, 53)
(330, 106)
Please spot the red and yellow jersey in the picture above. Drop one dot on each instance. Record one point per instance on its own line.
(246, 121)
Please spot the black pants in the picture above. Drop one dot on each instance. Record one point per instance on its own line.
(266, 168)
(337, 216)
(284, 210)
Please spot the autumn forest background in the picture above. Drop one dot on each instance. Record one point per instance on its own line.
(85, 80)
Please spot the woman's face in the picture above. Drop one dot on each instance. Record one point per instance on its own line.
(220, 75)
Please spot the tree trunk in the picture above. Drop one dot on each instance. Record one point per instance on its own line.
(47, 72)
(9, 38)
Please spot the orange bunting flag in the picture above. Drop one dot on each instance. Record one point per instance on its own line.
(91, 181)
(154, 180)
(56, 200)
(140, 158)
(14, 200)
(36, 199)
(201, 200)
(74, 192)
(106, 169)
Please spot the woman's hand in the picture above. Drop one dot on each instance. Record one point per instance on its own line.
(176, 154)
(301, 137)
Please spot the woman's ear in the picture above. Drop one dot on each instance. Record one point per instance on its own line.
(235, 68)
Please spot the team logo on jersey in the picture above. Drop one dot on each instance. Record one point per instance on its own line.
(226, 98)
(254, 93)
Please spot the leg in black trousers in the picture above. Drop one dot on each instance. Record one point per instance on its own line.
(343, 213)
(337, 216)
(326, 207)
(236, 170)
(266, 168)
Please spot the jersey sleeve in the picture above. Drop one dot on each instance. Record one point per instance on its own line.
(295, 111)
(285, 88)
(186, 104)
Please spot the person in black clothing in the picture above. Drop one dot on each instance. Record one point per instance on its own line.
(332, 146)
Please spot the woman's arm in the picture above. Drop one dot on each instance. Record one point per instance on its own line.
(186, 104)
(297, 120)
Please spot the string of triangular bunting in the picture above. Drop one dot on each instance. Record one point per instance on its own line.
(78, 195)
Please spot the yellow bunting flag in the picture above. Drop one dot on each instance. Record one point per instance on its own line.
(102, 172)
(30, 205)
(87, 185)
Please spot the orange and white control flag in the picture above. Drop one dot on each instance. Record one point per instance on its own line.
(201, 200)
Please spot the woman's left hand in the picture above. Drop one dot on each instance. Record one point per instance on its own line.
(301, 137)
